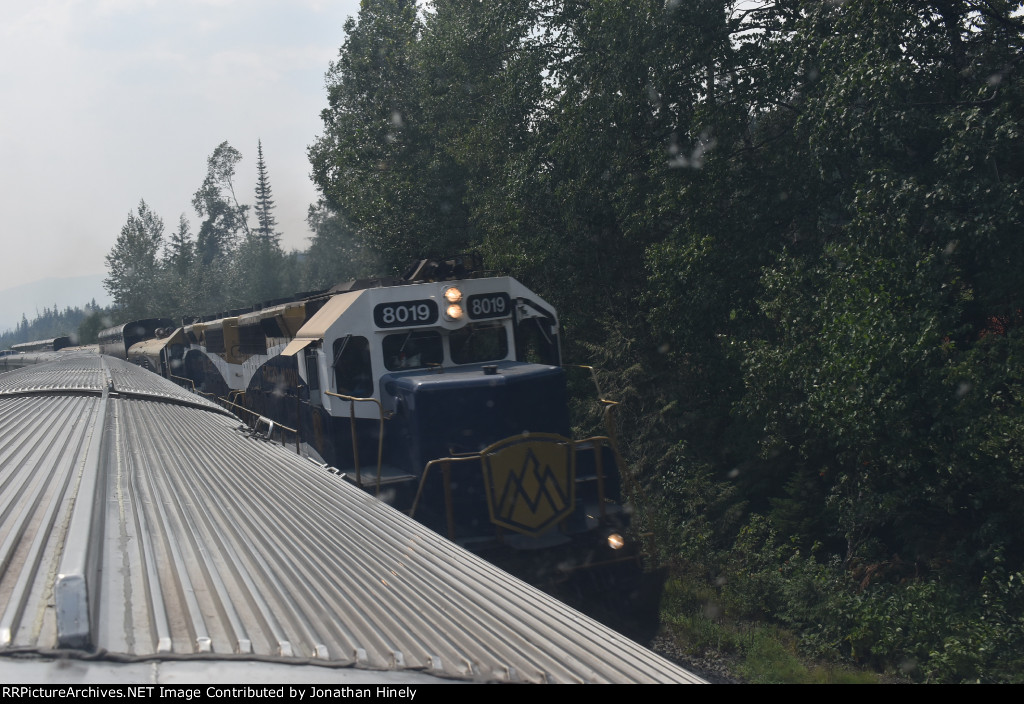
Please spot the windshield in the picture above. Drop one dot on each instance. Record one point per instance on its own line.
(479, 342)
(414, 349)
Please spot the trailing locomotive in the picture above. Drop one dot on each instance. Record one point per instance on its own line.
(52, 345)
(36, 352)
(116, 341)
(443, 394)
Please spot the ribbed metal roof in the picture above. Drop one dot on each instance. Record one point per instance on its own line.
(129, 380)
(69, 371)
(88, 372)
(143, 529)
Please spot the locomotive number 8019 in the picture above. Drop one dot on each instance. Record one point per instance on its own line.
(489, 305)
(405, 313)
(461, 419)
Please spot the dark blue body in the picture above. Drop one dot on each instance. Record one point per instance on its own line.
(465, 409)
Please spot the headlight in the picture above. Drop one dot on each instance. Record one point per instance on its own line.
(453, 295)
(453, 312)
(616, 541)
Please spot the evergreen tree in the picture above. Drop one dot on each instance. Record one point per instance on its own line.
(133, 267)
(256, 272)
(335, 253)
(264, 201)
(177, 275)
(95, 321)
(258, 259)
(180, 249)
(50, 324)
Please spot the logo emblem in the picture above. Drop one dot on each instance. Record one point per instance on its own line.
(530, 482)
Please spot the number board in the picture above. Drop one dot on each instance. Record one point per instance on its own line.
(403, 314)
(488, 305)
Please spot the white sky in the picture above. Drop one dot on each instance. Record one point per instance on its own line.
(104, 102)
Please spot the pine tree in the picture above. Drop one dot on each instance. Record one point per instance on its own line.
(179, 256)
(180, 249)
(132, 265)
(264, 201)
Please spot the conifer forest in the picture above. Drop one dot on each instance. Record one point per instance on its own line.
(789, 234)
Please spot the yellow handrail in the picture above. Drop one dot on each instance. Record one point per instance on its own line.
(182, 378)
(355, 441)
(608, 405)
(448, 508)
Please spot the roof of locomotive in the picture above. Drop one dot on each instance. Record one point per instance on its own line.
(53, 344)
(148, 324)
(316, 327)
(154, 344)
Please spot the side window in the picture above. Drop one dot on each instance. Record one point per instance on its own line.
(353, 374)
(215, 340)
(251, 339)
(535, 342)
(312, 372)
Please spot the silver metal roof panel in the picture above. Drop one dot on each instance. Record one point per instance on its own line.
(89, 372)
(128, 379)
(144, 531)
(73, 371)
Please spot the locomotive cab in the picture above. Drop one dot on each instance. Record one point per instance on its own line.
(447, 399)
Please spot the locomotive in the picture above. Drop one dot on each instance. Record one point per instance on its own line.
(441, 392)
(116, 341)
(52, 345)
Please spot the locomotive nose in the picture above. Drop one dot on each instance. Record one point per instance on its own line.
(468, 409)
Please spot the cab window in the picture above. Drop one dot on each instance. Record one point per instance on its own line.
(312, 371)
(479, 342)
(414, 349)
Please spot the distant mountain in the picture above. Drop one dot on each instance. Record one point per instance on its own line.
(30, 299)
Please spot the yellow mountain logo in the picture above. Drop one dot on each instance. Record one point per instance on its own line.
(530, 482)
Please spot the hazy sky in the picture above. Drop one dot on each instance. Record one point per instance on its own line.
(104, 102)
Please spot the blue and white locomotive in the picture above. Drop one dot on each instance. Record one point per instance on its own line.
(442, 394)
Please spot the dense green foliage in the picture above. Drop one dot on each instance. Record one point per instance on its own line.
(790, 234)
